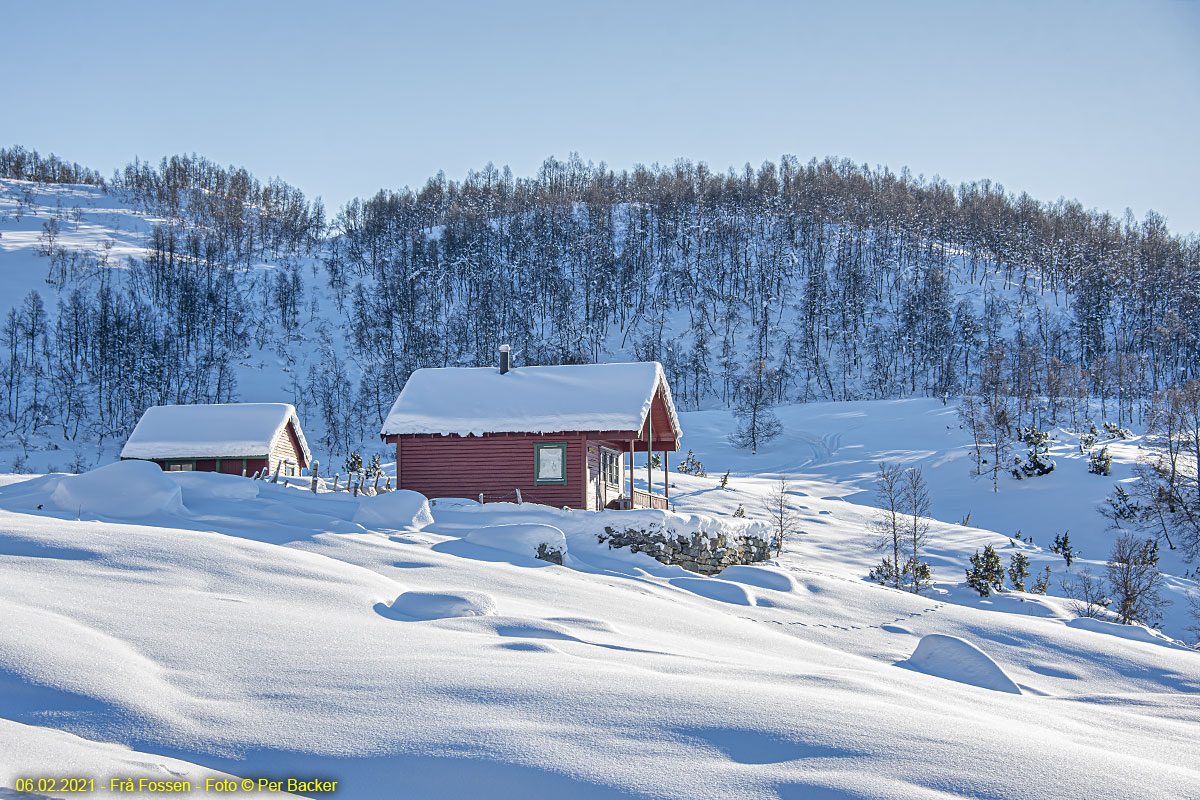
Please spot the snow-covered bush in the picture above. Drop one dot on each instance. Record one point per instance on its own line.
(1116, 431)
(1100, 462)
(692, 466)
(1036, 462)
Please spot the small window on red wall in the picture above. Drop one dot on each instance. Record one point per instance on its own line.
(550, 462)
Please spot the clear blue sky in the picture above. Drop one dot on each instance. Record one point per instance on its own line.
(1094, 100)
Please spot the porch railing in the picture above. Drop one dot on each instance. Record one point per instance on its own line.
(642, 499)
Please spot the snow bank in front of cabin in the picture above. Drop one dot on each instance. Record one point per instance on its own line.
(524, 539)
(516, 528)
(124, 490)
(398, 510)
(213, 486)
(956, 659)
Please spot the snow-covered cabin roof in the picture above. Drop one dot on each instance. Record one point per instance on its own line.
(478, 400)
(216, 430)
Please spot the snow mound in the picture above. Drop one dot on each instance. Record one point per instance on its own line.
(439, 605)
(762, 577)
(524, 539)
(122, 490)
(398, 510)
(957, 659)
(1134, 633)
(716, 589)
(214, 486)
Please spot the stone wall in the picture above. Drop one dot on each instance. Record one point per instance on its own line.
(701, 552)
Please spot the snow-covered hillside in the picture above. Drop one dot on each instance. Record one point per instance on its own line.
(93, 230)
(249, 629)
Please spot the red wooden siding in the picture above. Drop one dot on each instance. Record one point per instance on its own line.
(494, 464)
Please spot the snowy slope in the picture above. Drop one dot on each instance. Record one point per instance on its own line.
(95, 225)
(267, 632)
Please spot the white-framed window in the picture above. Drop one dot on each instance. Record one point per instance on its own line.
(180, 466)
(610, 466)
(550, 462)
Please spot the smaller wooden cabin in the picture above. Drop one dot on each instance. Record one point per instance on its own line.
(559, 435)
(233, 438)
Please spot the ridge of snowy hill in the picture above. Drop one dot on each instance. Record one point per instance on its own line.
(245, 628)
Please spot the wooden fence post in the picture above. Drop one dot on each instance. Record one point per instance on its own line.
(519, 501)
(316, 467)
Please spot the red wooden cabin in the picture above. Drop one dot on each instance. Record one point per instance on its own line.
(234, 438)
(562, 436)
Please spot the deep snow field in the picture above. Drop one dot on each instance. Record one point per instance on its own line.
(191, 625)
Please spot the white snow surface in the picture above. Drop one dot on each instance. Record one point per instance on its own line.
(439, 605)
(520, 538)
(398, 510)
(273, 631)
(124, 490)
(212, 431)
(478, 400)
(956, 659)
(1137, 633)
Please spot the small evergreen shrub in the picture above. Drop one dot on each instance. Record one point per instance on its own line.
(1116, 431)
(1100, 462)
(692, 466)
(1018, 571)
(986, 573)
(1042, 582)
(1062, 546)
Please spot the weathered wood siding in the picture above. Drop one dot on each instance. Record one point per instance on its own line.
(287, 447)
(494, 464)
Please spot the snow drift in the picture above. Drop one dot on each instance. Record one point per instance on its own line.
(522, 539)
(398, 510)
(957, 659)
(124, 490)
(439, 605)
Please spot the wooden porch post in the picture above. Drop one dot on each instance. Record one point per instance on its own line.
(631, 473)
(649, 449)
(666, 478)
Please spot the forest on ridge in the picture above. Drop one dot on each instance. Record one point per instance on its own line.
(790, 282)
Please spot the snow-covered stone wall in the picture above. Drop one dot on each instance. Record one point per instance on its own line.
(706, 552)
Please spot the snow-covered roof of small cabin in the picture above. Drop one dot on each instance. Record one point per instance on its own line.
(479, 400)
(216, 430)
